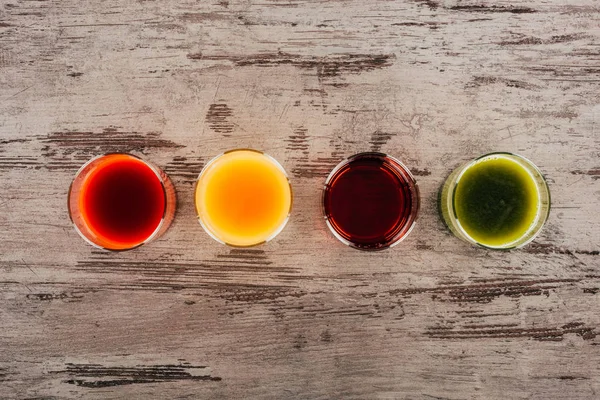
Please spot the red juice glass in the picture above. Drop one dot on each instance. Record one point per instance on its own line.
(119, 202)
(370, 201)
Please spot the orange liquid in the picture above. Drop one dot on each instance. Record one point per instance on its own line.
(243, 198)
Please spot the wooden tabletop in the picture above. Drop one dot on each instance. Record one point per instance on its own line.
(431, 82)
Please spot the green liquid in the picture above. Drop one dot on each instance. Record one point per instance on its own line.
(496, 201)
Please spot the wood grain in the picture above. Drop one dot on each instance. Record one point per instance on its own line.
(432, 82)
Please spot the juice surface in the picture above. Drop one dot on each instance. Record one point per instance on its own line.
(367, 202)
(496, 201)
(122, 201)
(243, 197)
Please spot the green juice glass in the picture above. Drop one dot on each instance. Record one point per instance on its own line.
(498, 201)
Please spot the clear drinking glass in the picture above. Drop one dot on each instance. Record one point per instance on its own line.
(119, 202)
(499, 201)
(370, 201)
(243, 198)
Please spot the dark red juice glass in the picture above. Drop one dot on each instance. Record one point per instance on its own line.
(370, 201)
(119, 201)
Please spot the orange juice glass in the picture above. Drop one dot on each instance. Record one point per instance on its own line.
(243, 198)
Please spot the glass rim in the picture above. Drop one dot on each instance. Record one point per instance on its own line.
(273, 161)
(413, 189)
(540, 216)
(148, 164)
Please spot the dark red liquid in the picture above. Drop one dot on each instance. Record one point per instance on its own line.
(368, 201)
(123, 200)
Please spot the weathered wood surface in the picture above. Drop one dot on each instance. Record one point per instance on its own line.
(431, 82)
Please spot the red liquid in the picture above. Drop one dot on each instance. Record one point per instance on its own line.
(368, 201)
(122, 201)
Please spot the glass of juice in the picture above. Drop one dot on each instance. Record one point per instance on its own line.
(370, 201)
(119, 202)
(243, 198)
(499, 201)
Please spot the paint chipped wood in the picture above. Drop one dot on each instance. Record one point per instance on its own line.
(433, 83)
